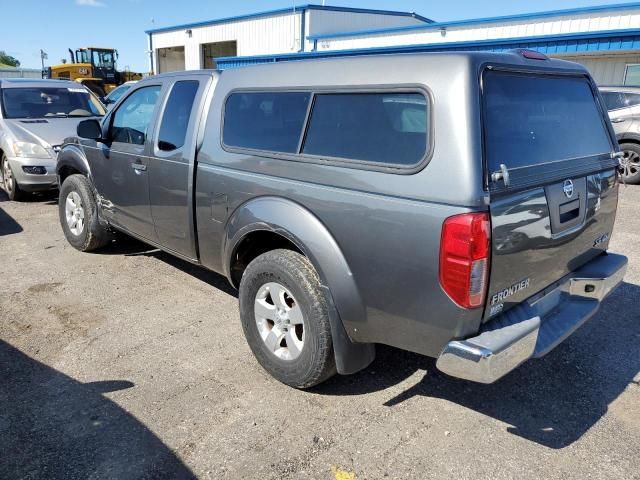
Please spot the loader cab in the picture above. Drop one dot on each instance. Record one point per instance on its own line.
(102, 61)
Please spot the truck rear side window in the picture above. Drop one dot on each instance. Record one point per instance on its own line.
(536, 119)
(175, 119)
(270, 121)
(389, 128)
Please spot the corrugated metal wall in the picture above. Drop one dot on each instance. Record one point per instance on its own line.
(275, 34)
(590, 22)
(327, 21)
(606, 70)
(280, 34)
(256, 36)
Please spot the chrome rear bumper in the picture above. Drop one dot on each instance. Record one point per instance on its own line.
(534, 328)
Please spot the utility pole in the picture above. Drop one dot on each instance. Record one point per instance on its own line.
(150, 47)
(43, 57)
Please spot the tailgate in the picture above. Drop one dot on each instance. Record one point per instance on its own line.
(552, 181)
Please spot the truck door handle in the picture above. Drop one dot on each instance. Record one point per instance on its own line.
(138, 166)
(617, 120)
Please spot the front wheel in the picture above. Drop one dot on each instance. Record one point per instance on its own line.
(79, 215)
(9, 183)
(285, 318)
(630, 163)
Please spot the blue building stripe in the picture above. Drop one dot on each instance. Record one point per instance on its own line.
(611, 40)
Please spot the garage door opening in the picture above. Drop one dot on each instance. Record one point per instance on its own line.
(170, 59)
(211, 51)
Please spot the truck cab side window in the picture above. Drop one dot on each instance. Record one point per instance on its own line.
(132, 119)
(175, 119)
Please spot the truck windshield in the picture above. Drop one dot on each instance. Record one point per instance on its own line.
(41, 102)
(536, 119)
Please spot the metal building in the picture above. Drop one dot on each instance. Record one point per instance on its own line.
(606, 39)
(288, 30)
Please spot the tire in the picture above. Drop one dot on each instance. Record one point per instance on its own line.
(96, 87)
(9, 184)
(630, 163)
(76, 197)
(310, 359)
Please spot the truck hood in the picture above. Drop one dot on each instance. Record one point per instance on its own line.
(47, 132)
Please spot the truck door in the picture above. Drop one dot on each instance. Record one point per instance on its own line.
(120, 166)
(171, 165)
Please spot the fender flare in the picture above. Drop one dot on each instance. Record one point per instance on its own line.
(72, 156)
(308, 233)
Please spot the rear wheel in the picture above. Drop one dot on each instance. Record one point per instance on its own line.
(9, 183)
(285, 318)
(630, 163)
(96, 86)
(79, 215)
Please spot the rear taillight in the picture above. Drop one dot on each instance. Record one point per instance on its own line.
(464, 258)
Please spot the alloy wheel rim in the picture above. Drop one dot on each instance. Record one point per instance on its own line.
(74, 212)
(280, 321)
(630, 163)
(7, 176)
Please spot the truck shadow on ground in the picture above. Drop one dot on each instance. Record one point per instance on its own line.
(52, 426)
(8, 225)
(552, 401)
(125, 245)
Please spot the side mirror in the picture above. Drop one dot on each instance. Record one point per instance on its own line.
(90, 129)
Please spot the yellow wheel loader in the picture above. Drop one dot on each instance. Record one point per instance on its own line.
(95, 68)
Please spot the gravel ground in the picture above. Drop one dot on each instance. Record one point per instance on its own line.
(131, 364)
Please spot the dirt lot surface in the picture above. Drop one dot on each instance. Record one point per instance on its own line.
(130, 364)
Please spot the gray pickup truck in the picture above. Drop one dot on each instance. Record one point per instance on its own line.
(458, 205)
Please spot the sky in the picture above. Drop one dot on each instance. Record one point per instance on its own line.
(26, 26)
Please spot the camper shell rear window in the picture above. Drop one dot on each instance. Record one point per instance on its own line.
(537, 119)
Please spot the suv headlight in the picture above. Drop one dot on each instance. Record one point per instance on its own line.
(32, 150)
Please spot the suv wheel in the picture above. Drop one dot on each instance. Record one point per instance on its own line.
(79, 215)
(630, 163)
(9, 183)
(285, 318)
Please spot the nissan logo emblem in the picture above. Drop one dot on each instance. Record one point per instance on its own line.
(567, 188)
